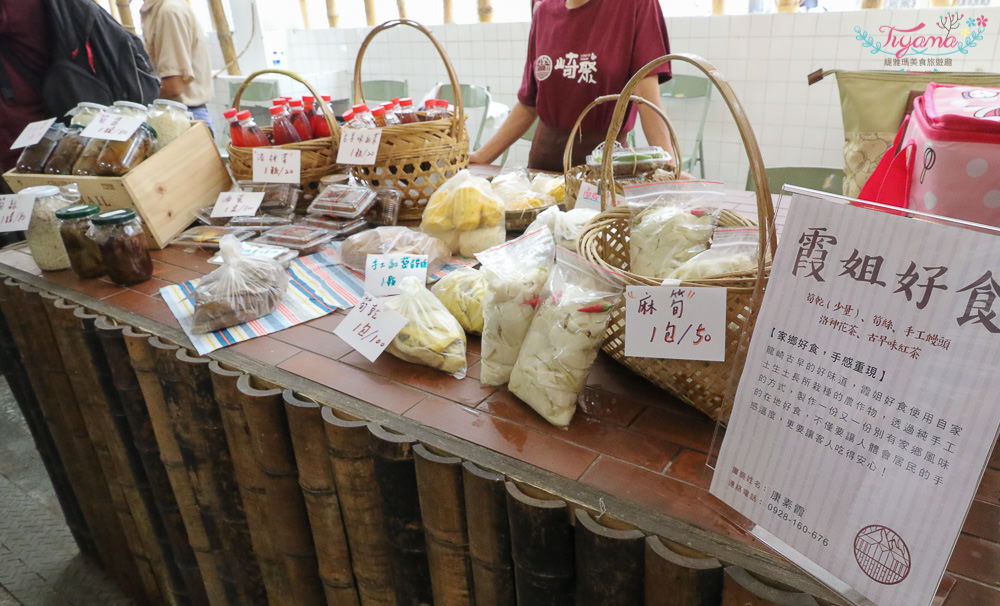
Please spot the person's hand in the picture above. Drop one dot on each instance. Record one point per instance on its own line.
(476, 157)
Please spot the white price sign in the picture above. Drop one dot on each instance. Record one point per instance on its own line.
(589, 196)
(15, 212)
(358, 145)
(112, 127)
(676, 322)
(32, 133)
(370, 327)
(383, 273)
(277, 165)
(237, 204)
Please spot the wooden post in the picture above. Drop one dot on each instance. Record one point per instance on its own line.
(304, 7)
(485, 11)
(448, 16)
(331, 13)
(401, 6)
(125, 15)
(370, 12)
(225, 37)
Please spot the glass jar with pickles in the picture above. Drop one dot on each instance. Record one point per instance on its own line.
(122, 241)
(87, 163)
(119, 157)
(84, 253)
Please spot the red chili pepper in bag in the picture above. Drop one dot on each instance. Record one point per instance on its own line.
(534, 301)
(595, 309)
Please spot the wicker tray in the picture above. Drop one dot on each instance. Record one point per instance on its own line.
(319, 156)
(416, 158)
(577, 175)
(708, 386)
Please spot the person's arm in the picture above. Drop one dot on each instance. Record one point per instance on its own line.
(653, 125)
(171, 87)
(517, 123)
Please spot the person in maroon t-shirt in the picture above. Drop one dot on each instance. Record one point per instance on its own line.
(22, 36)
(579, 50)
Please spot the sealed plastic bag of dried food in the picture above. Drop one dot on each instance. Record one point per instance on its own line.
(393, 239)
(514, 188)
(566, 226)
(564, 337)
(734, 249)
(463, 203)
(244, 288)
(462, 292)
(671, 222)
(515, 273)
(432, 336)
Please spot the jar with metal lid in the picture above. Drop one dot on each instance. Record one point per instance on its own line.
(42, 235)
(34, 157)
(128, 108)
(67, 151)
(119, 157)
(169, 119)
(119, 235)
(84, 112)
(84, 253)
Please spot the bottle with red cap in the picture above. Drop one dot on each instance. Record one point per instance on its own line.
(250, 134)
(317, 122)
(391, 118)
(436, 109)
(299, 120)
(282, 130)
(234, 126)
(378, 114)
(406, 113)
(363, 116)
(281, 102)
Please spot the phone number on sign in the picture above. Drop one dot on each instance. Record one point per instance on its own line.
(782, 514)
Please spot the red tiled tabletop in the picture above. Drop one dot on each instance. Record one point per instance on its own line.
(628, 439)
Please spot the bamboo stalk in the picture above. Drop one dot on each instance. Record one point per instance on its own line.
(225, 35)
(370, 12)
(448, 16)
(489, 535)
(609, 563)
(401, 6)
(332, 16)
(485, 11)
(541, 546)
(113, 9)
(125, 15)
(694, 578)
(304, 7)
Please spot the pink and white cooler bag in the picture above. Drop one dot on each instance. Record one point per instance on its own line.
(946, 160)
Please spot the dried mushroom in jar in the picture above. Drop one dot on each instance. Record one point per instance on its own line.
(119, 235)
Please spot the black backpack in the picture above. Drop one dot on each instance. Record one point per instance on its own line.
(93, 57)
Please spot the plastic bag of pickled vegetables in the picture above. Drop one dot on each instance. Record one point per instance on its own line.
(515, 273)
(734, 250)
(432, 336)
(565, 336)
(466, 214)
(462, 292)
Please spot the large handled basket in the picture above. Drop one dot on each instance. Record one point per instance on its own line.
(576, 176)
(416, 158)
(319, 156)
(707, 386)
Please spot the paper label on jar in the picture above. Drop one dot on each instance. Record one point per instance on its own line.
(112, 127)
(370, 327)
(277, 165)
(237, 203)
(15, 212)
(358, 145)
(32, 133)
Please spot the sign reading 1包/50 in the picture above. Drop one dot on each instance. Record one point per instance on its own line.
(925, 45)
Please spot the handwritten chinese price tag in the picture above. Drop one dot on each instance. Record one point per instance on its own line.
(15, 212)
(112, 127)
(370, 327)
(675, 322)
(358, 145)
(383, 273)
(237, 203)
(277, 165)
(589, 196)
(32, 133)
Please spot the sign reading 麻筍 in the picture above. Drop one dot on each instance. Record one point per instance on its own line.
(866, 411)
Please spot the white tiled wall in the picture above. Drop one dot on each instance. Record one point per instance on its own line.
(764, 57)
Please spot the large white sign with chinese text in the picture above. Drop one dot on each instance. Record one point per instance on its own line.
(866, 410)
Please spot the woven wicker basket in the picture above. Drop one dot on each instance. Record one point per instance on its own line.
(708, 386)
(577, 175)
(416, 158)
(319, 156)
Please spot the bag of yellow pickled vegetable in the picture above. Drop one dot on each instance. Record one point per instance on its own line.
(462, 292)
(432, 336)
(466, 214)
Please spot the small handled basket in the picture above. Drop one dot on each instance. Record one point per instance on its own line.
(319, 156)
(577, 175)
(708, 386)
(416, 158)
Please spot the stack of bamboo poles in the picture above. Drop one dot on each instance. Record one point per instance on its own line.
(197, 483)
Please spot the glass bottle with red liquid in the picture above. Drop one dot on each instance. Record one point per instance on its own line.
(234, 126)
(299, 120)
(282, 130)
(406, 113)
(317, 121)
(250, 134)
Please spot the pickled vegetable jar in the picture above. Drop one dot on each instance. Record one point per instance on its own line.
(34, 157)
(84, 253)
(119, 235)
(43, 237)
(67, 152)
(169, 119)
(119, 157)
(84, 112)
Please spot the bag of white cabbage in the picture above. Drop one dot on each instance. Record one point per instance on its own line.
(462, 292)
(432, 336)
(566, 226)
(733, 250)
(671, 222)
(564, 337)
(515, 273)
(514, 188)
(466, 214)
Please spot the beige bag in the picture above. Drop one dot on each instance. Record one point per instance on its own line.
(873, 104)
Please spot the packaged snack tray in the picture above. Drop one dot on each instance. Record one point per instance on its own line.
(276, 195)
(208, 236)
(302, 238)
(343, 201)
(337, 227)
